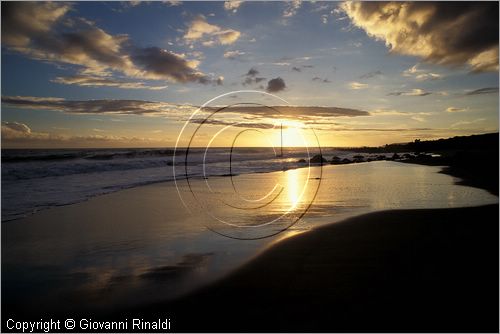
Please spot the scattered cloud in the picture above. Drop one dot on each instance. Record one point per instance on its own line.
(370, 75)
(173, 3)
(32, 28)
(413, 92)
(281, 63)
(176, 111)
(97, 81)
(357, 85)
(419, 118)
(222, 122)
(303, 113)
(356, 44)
(251, 77)
(108, 106)
(209, 34)
(276, 85)
(299, 68)
(320, 7)
(235, 54)
(15, 134)
(464, 33)
(486, 90)
(14, 130)
(460, 124)
(24, 21)
(318, 79)
(291, 8)
(420, 74)
(454, 109)
(252, 72)
(159, 64)
(232, 5)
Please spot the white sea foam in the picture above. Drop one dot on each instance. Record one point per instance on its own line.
(33, 180)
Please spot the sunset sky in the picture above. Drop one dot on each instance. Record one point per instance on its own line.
(129, 74)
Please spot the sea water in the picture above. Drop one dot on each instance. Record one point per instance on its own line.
(156, 242)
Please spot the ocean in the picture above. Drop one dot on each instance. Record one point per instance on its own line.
(143, 244)
(33, 180)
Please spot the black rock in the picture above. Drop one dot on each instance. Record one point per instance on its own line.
(318, 158)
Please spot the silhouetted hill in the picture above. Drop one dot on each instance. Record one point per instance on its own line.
(474, 158)
(475, 142)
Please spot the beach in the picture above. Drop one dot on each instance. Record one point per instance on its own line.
(249, 166)
(392, 271)
(141, 252)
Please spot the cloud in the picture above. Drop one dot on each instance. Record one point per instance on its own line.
(384, 129)
(247, 125)
(232, 5)
(281, 63)
(370, 75)
(460, 123)
(121, 107)
(299, 69)
(298, 112)
(486, 90)
(319, 7)
(157, 63)
(413, 92)
(173, 110)
(357, 85)
(233, 54)
(24, 21)
(173, 3)
(291, 8)
(15, 134)
(14, 129)
(97, 81)
(38, 30)
(417, 116)
(252, 72)
(252, 78)
(438, 32)
(275, 85)
(318, 79)
(454, 109)
(209, 34)
(90, 46)
(420, 74)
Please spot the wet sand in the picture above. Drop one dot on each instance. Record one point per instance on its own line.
(396, 270)
(402, 270)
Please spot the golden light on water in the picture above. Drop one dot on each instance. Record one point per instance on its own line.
(293, 190)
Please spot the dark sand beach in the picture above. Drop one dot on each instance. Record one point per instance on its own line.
(392, 271)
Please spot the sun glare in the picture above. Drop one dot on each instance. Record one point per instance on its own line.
(293, 189)
(293, 134)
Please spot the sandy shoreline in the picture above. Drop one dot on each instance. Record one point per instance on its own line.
(141, 247)
(401, 270)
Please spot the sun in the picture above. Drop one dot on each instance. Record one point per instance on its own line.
(293, 134)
